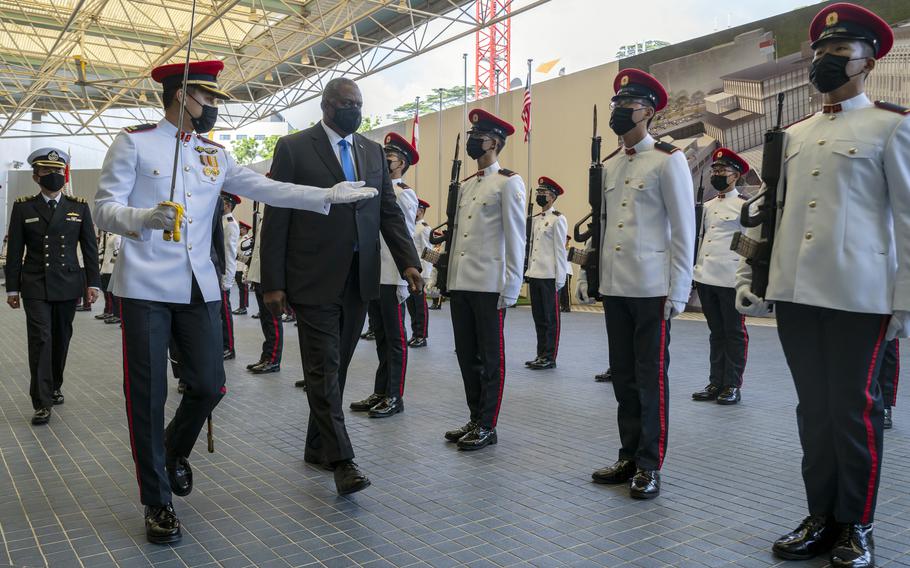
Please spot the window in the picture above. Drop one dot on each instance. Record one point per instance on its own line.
(242, 137)
(224, 137)
(259, 137)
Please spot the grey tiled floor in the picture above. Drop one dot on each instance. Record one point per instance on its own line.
(68, 493)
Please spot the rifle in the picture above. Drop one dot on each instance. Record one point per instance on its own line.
(758, 253)
(589, 260)
(529, 228)
(102, 250)
(699, 209)
(441, 259)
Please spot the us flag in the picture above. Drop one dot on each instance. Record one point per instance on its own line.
(526, 109)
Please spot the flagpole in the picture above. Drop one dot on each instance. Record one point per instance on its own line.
(497, 92)
(439, 177)
(414, 128)
(530, 178)
(464, 106)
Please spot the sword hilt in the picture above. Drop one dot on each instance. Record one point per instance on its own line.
(174, 235)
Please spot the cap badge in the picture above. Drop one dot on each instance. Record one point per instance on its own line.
(624, 81)
(474, 117)
(53, 156)
(831, 19)
(719, 154)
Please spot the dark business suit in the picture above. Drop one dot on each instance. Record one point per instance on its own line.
(329, 267)
(49, 280)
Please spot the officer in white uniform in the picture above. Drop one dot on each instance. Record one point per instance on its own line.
(387, 312)
(231, 229)
(715, 275)
(840, 281)
(172, 287)
(417, 303)
(110, 247)
(548, 266)
(645, 276)
(485, 275)
(244, 252)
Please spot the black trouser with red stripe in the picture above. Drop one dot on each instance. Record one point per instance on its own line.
(639, 340)
(227, 322)
(480, 348)
(729, 340)
(890, 374)
(545, 310)
(835, 357)
(147, 331)
(243, 290)
(272, 330)
(420, 315)
(387, 318)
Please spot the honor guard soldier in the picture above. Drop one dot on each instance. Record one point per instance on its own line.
(485, 275)
(839, 281)
(417, 303)
(645, 276)
(172, 287)
(547, 269)
(715, 277)
(46, 229)
(272, 326)
(231, 230)
(387, 312)
(888, 379)
(244, 252)
(110, 248)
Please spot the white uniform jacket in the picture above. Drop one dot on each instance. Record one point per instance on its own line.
(549, 258)
(231, 241)
(111, 249)
(648, 222)
(843, 240)
(421, 238)
(716, 264)
(136, 176)
(388, 270)
(489, 234)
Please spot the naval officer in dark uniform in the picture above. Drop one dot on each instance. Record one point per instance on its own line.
(47, 228)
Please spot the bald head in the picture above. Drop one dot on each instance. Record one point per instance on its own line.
(341, 104)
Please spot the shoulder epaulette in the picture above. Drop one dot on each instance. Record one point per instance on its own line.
(613, 153)
(665, 147)
(469, 177)
(892, 107)
(403, 185)
(557, 213)
(140, 128)
(507, 173)
(74, 198)
(25, 198)
(537, 214)
(808, 116)
(212, 142)
(743, 197)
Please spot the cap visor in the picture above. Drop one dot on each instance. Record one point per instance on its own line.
(218, 93)
(48, 164)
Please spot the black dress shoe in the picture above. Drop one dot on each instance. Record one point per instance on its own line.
(815, 535)
(477, 439)
(388, 406)
(162, 525)
(888, 422)
(369, 335)
(367, 403)
(264, 368)
(41, 416)
(229, 354)
(604, 377)
(532, 361)
(645, 484)
(707, 393)
(418, 342)
(255, 316)
(256, 364)
(459, 433)
(103, 315)
(301, 384)
(730, 395)
(349, 479)
(543, 363)
(57, 397)
(111, 320)
(855, 547)
(320, 461)
(239, 312)
(180, 475)
(620, 472)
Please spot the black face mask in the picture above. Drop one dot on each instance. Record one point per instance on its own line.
(621, 120)
(719, 182)
(829, 72)
(474, 147)
(206, 121)
(542, 200)
(347, 119)
(52, 182)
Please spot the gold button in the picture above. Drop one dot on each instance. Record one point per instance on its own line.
(189, 194)
(812, 203)
(190, 220)
(186, 168)
(189, 247)
(623, 203)
(47, 265)
(620, 225)
(473, 199)
(709, 240)
(641, 186)
(61, 256)
(707, 254)
(469, 216)
(45, 236)
(852, 150)
(809, 236)
(462, 254)
(631, 158)
(618, 247)
(155, 172)
(465, 234)
(815, 172)
(712, 226)
(46, 245)
(821, 142)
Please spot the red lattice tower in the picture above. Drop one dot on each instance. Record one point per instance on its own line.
(493, 51)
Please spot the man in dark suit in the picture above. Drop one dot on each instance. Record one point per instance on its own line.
(327, 267)
(46, 228)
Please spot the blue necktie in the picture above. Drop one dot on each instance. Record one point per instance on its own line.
(346, 163)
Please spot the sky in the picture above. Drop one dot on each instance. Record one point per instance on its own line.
(581, 33)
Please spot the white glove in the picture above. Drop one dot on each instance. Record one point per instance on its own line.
(899, 325)
(226, 285)
(349, 192)
(582, 292)
(749, 304)
(160, 218)
(505, 302)
(673, 308)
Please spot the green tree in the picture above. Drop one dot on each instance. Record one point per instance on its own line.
(369, 123)
(267, 149)
(429, 103)
(245, 151)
